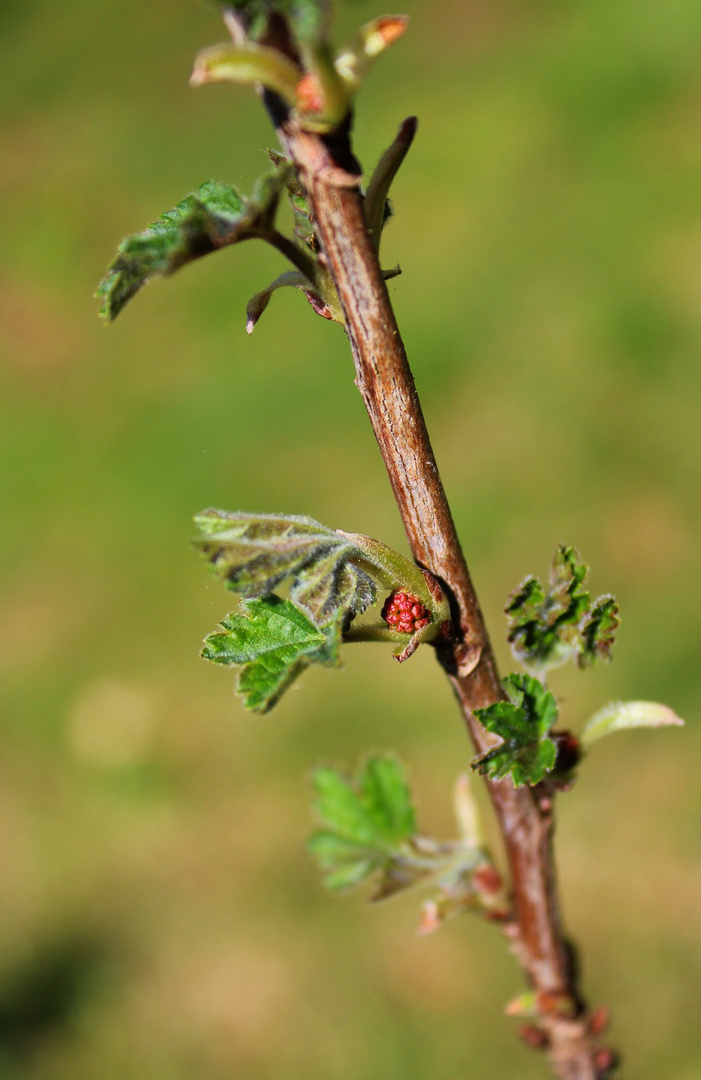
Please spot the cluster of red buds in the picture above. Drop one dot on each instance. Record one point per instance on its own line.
(405, 612)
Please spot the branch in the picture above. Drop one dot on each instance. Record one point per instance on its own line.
(385, 381)
(292, 251)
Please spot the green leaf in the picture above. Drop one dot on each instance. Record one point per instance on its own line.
(254, 553)
(308, 19)
(258, 303)
(273, 642)
(212, 217)
(376, 204)
(343, 863)
(621, 715)
(387, 797)
(247, 64)
(548, 626)
(369, 830)
(523, 722)
(292, 278)
(375, 808)
(598, 631)
(298, 201)
(366, 824)
(331, 575)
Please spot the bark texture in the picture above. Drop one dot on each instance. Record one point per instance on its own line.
(384, 379)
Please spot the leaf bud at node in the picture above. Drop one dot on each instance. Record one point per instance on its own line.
(569, 751)
(310, 98)
(605, 1061)
(533, 1036)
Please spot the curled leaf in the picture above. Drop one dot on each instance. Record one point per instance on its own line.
(622, 715)
(254, 553)
(355, 59)
(331, 574)
(292, 278)
(548, 626)
(375, 203)
(322, 95)
(599, 631)
(247, 64)
(296, 194)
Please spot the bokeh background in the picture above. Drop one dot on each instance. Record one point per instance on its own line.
(159, 918)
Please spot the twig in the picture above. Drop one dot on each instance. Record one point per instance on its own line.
(385, 381)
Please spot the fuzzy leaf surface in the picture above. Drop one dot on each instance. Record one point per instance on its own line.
(599, 631)
(214, 216)
(254, 553)
(622, 715)
(549, 625)
(527, 752)
(273, 643)
(302, 214)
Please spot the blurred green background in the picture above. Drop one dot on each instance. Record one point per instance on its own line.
(159, 919)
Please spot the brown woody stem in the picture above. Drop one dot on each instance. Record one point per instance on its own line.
(385, 381)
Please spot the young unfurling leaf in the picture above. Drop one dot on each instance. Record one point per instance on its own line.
(304, 229)
(255, 553)
(273, 642)
(369, 830)
(247, 64)
(331, 574)
(294, 279)
(365, 821)
(622, 715)
(357, 56)
(331, 578)
(598, 631)
(548, 626)
(212, 217)
(527, 752)
(376, 204)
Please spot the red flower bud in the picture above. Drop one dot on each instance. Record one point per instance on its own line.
(405, 612)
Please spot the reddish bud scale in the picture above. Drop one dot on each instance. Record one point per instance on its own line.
(533, 1036)
(569, 751)
(599, 1020)
(405, 612)
(486, 879)
(310, 98)
(391, 27)
(605, 1061)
